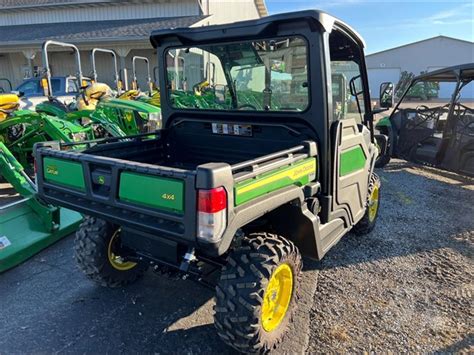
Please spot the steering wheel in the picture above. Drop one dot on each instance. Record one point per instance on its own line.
(424, 112)
(243, 106)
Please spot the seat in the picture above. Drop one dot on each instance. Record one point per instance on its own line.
(8, 104)
(91, 96)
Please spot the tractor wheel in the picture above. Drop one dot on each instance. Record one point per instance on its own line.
(257, 292)
(367, 223)
(97, 251)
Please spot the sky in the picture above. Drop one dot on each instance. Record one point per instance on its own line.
(386, 24)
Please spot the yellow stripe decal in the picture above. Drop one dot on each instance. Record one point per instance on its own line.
(294, 174)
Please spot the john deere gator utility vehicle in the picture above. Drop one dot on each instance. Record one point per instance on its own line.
(438, 132)
(96, 106)
(244, 188)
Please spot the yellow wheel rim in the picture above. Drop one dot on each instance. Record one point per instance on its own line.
(116, 260)
(277, 297)
(373, 203)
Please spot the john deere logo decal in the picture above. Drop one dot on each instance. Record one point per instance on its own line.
(52, 170)
(101, 180)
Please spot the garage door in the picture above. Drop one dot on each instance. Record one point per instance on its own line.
(379, 75)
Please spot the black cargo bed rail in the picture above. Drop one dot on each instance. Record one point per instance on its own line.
(252, 168)
(151, 220)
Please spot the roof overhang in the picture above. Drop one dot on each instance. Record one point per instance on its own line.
(19, 37)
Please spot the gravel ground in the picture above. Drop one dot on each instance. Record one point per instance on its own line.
(408, 285)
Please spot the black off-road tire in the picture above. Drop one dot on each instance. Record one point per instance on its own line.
(241, 288)
(366, 225)
(91, 253)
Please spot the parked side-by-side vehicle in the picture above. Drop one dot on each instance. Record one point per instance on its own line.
(264, 166)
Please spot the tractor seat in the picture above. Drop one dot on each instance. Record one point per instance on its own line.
(8, 104)
(91, 96)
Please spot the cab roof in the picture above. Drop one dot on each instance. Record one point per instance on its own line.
(316, 19)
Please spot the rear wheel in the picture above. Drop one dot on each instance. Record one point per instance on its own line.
(257, 292)
(98, 253)
(367, 223)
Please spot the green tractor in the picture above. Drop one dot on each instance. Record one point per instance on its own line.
(152, 95)
(244, 186)
(21, 129)
(96, 106)
(29, 225)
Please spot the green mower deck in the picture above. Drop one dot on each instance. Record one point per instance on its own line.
(22, 233)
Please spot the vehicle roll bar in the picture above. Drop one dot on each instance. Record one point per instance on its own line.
(148, 79)
(48, 89)
(114, 57)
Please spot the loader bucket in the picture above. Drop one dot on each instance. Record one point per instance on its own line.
(23, 234)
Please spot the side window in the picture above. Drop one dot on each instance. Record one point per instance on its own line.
(347, 86)
(347, 90)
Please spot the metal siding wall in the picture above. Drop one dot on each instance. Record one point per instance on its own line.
(225, 11)
(182, 8)
(438, 52)
(6, 70)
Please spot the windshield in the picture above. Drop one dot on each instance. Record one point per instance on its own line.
(266, 75)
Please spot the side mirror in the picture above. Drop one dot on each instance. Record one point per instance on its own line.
(386, 95)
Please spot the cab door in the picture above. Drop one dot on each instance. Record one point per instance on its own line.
(352, 146)
(352, 152)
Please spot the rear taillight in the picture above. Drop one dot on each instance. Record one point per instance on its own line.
(212, 214)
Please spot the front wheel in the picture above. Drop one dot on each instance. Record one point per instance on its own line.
(367, 223)
(98, 253)
(257, 292)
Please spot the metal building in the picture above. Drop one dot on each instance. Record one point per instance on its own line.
(426, 55)
(121, 25)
